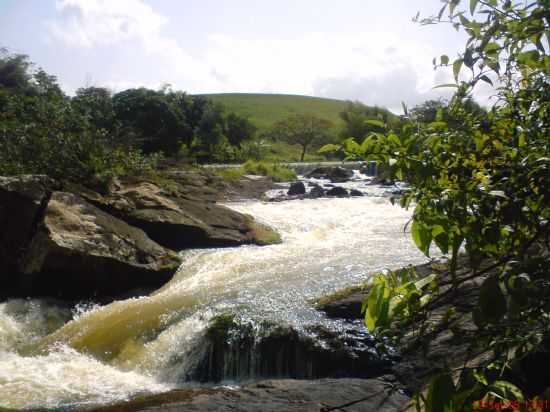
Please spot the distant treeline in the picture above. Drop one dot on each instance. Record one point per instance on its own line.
(99, 134)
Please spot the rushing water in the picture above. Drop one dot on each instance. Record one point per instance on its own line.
(50, 357)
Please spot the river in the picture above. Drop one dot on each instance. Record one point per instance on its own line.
(53, 357)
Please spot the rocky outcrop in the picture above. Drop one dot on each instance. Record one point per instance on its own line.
(80, 251)
(334, 174)
(177, 218)
(71, 242)
(288, 395)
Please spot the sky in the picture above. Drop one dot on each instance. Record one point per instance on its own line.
(364, 50)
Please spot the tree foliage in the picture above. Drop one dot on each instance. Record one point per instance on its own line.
(96, 135)
(302, 129)
(360, 120)
(479, 182)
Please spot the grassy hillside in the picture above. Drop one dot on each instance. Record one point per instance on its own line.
(265, 109)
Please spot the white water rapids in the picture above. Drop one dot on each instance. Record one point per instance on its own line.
(144, 345)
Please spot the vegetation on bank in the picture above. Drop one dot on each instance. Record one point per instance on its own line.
(479, 181)
(97, 135)
(273, 170)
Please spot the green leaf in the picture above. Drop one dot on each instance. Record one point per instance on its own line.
(456, 68)
(492, 302)
(486, 79)
(422, 237)
(440, 14)
(422, 283)
(377, 123)
(444, 59)
(507, 390)
(473, 5)
(452, 5)
(437, 230)
(329, 148)
(351, 146)
(393, 138)
(440, 394)
(469, 58)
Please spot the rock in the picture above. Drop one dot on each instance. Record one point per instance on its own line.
(79, 251)
(346, 307)
(286, 395)
(240, 350)
(296, 188)
(178, 219)
(337, 191)
(355, 193)
(316, 192)
(334, 174)
(22, 201)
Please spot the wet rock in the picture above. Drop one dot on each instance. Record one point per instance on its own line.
(296, 188)
(345, 307)
(79, 251)
(355, 193)
(337, 191)
(334, 174)
(288, 395)
(178, 219)
(239, 350)
(316, 192)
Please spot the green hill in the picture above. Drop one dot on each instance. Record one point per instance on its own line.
(265, 109)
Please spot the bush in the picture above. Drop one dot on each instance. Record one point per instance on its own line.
(275, 171)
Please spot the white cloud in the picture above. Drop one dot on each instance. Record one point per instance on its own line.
(372, 66)
(89, 23)
(125, 24)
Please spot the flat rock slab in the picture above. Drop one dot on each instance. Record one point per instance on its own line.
(286, 395)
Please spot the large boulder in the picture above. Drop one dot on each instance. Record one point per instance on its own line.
(179, 219)
(334, 174)
(79, 251)
(22, 201)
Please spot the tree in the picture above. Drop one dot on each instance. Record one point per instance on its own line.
(360, 119)
(302, 129)
(238, 129)
(150, 119)
(14, 71)
(480, 183)
(96, 105)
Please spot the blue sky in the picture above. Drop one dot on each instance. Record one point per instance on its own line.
(352, 49)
